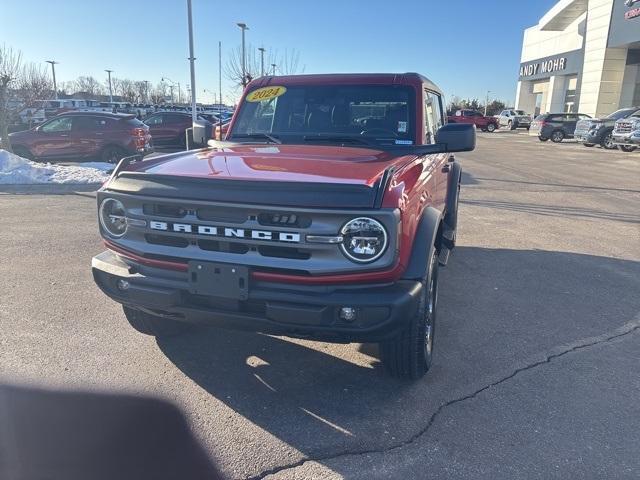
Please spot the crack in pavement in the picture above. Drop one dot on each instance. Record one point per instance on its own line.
(622, 331)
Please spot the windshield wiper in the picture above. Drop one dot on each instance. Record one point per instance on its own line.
(264, 136)
(339, 139)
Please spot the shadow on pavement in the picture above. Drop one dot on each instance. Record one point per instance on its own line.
(497, 308)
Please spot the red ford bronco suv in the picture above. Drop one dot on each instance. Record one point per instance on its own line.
(324, 215)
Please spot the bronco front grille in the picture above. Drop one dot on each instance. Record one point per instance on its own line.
(261, 237)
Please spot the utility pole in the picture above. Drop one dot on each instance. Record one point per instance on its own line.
(220, 72)
(192, 60)
(243, 27)
(110, 89)
(53, 72)
(486, 103)
(146, 91)
(273, 66)
(261, 61)
(171, 93)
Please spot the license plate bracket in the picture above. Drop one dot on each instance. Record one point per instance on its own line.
(219, 280)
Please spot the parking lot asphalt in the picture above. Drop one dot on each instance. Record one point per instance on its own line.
(537, 345)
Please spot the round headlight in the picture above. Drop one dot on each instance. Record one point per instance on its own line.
(112, 217)
(363, 239)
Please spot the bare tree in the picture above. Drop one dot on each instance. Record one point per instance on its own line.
(127, 90)
(88, 85)
(287, 63)
(159, 93)
(10, 67)
(141, 91)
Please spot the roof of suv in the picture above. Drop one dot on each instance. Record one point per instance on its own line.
(99, 114)
(409, 78)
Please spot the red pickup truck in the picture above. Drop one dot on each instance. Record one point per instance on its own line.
(324, 215)
(486, 124)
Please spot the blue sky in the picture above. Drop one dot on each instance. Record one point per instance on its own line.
(467, 47)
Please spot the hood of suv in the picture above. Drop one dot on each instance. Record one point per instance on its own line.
(279, 163)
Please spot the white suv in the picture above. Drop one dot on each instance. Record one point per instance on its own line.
(514, 119)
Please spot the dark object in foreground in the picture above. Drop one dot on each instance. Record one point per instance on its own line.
(82, 436)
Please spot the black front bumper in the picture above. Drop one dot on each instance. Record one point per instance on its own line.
(277, 309)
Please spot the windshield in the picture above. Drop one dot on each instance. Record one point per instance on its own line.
(623, 113)
(359, 113)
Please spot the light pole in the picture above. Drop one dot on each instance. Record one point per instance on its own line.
(110, 89)
(243, 27)
(146, 91)
(261, 61)
(171, 85)
(53, 72)
(273, 66)
(192, 65)
(486, 103)
(220, 72)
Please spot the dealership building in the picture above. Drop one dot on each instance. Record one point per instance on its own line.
(582, 56)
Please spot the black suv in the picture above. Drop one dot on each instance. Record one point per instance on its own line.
(598, 131)
(555, 126)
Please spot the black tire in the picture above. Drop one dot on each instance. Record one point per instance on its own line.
(627, 148)
(491, 128)
(589, 145)
(510, 125)
(607, 141)
(410, 354)
(112, 154)
(543, 139)
(528, 128)
(557, 136)
(23, 152)
(159, 327)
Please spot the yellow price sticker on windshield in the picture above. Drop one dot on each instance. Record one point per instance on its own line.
(265, 93)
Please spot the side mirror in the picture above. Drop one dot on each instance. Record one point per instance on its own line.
(457, 137)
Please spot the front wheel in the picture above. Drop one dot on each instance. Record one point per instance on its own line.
(607, 142)
(491, 128)
(154, 325)
(557, 136)
(543, 139)
(410, 354)
(589, 144)
(627, 148)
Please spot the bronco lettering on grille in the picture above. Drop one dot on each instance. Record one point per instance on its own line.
(210, 230)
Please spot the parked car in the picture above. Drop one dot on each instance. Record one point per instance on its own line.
(108, 136)
(626, 133)
(306, 224)
(170, 127)
(513, 119)
(486, 124)
(599, 131)
(555, 126)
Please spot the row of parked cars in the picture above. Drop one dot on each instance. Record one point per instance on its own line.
(510, 118)
(620, 129)
(107, 136)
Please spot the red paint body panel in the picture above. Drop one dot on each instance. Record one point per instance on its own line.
(285, 163)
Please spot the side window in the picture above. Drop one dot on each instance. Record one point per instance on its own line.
(173, 119)
(62, 124)
(155, 120)
(433, 117)
(87, 124)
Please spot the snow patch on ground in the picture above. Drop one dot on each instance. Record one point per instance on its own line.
(15, 170)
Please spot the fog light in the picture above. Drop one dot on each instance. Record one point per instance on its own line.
(348, 314)
(123, 285)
